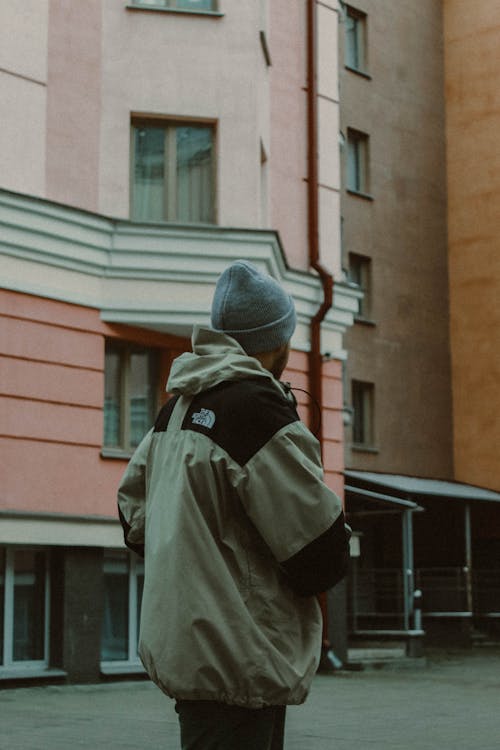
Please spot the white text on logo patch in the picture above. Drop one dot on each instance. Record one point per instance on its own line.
(204, 418)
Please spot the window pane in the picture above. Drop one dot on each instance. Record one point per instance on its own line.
(141, 395)
(112, 398)
(359, 273)
(194, 174)
(362, 401)
(149, 173)
(29, 605)
(180, 4)
(357, 161)
(2, 601)
(353, 165)
(194, 4)
(352, 52)
(114, 645)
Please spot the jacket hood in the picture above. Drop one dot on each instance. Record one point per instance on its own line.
(216, 357)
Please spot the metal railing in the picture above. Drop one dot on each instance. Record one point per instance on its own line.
(444, 590)
(377, 594)
(486, 592)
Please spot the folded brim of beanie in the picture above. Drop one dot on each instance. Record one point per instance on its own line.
(267, 338)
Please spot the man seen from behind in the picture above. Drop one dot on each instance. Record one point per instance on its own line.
(225, 499)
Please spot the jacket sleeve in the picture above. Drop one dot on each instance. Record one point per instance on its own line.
(298, 516)
(132, 498)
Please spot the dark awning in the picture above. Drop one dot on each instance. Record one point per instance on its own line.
(376, 500)
(395, 485)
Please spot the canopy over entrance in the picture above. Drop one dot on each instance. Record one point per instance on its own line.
(450, 553)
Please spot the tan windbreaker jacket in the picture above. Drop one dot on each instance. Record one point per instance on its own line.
(225, 499)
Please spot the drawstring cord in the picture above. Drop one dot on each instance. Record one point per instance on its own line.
(291, 391)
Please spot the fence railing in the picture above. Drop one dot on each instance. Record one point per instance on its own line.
(444, 590)
(378, 593)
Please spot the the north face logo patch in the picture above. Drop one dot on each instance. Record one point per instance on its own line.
(204, 418)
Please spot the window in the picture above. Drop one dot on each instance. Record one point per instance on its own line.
(173, 172)
(355, 39)
(194, 5)
(360, 274)
(357, 161)
(24, 607)
(130, 380)
(123, 586)
(363, 408)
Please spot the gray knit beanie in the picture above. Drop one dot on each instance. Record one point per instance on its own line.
(253, 308)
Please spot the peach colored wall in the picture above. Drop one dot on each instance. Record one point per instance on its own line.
(472, 56)
(23, 90)
(52, 375)
(73, 103)
(333, 449)
(184, 66)
(288, 165)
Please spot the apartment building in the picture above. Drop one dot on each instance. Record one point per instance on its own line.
(145, 145)
(421, 382)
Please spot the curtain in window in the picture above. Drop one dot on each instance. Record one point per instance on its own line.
(149, 174)
(114, 643)
(141, 395)
(194, 174)
(354, 164)
(352, 42)
(29, 605)
(112, 398)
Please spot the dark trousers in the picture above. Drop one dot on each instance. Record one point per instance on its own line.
(207, 725)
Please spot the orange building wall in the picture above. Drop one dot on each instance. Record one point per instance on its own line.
(472, 61)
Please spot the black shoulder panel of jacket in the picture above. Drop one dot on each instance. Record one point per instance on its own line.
(322, 563)
(138, 548)
(164, 415)
(241, 416)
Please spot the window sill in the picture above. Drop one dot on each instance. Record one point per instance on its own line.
(358, 72)
(361, 448)
(359, 194)
(122, 667)
(31, 673)
(176, 11)
(121, 455)
(364, 321)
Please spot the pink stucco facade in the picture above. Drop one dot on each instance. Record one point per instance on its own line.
(82, 278)
(52, 364)
(88, 72)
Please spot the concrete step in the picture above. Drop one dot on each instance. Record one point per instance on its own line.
(384, 658)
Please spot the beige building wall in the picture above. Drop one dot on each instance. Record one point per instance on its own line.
(398, 224)
(472, 54)
(23, 95)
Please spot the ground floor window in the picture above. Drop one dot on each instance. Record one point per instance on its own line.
(123, 585)
(24, 607)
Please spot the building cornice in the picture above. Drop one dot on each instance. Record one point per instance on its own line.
(156, 276)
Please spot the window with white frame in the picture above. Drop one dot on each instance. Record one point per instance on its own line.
(123, 586)
(24, 607)
(360, 274)
(130, 388)
(355, 39)
(194, 5)
(363, 397)
(357, 161)
(173, 175)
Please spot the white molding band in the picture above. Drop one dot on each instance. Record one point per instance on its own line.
(156, 276)
(53, 530)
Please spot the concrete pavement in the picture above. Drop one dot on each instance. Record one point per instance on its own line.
(453, 703)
